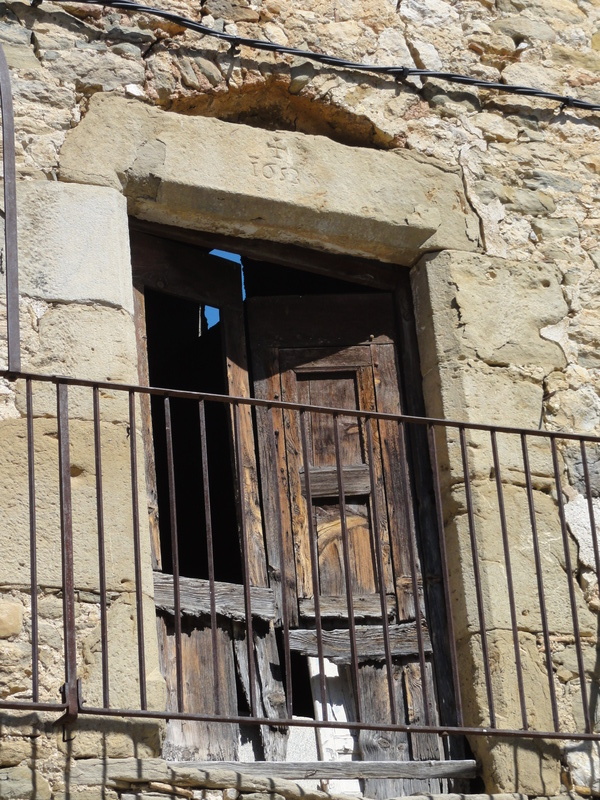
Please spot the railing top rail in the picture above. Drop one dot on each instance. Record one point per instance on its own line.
(257, 402)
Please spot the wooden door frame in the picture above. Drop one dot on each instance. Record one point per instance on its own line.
(395, 279)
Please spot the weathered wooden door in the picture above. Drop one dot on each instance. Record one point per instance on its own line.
(339, 352)
(213, 658)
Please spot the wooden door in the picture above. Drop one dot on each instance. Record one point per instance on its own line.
(214, 658)
(339, 352)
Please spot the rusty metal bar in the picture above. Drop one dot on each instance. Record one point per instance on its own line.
(72, 702)
(135, 507)
(174, 551)
(570, 581)
(245, 559)
(375, 524)
(540, 581)
(509, 579)
(314, 562)
(35, 684)
(209, 554)
(71, 693)
(101, 545)
(10, 218)
(347, 565)
(358, 413)
(301, 722)
(477, 578)
(445, 574)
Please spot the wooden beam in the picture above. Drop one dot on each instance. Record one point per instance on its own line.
(369, 643)
(324, 481)
(350, 268)
(335, 607)
(229, 598)
(324, 770)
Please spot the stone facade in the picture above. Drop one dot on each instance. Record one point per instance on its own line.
(491, 200)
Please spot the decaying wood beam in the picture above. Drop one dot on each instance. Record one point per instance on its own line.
(335, 607)
(369, 642)
(324, 481)
(323, 770)
(229, 598)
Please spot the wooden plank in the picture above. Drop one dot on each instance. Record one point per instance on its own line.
(324, 359)
(358, 270)
(334, 607)
(369, 640)
(229, 598)
(423, 746)
(395, 472)
(274, 480)
(269, 691)
(238, 385)
(299, 507)
(385, 746)
(324, 481)
(324, 770)
(203, 691)
(139, 315)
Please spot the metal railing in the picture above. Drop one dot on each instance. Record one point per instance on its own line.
(513, 527)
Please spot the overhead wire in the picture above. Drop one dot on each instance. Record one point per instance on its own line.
(398, 72)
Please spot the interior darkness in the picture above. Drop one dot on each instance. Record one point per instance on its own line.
(180, 358)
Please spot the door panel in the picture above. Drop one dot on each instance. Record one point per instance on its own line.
(178, 269)
(344, 480)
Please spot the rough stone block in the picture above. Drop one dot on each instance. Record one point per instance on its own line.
(11, 619)
(13, 751)
(23, 783)
(117, 501)
(459, 295)
(288, 187)
(86, 341)
(492, 564)
(66, 252)
(583, 760)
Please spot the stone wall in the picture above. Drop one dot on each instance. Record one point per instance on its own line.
(507, 314)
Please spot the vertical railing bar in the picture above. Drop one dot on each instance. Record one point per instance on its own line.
(414, 578)
(314, 562)
(66, 527)
(32, 543)
(210, 555)
(174, 551)
(590, 504)
(509, 578)
(101, 545)
(540, 580)
(477, 577)
(379, 562)
(445, 572)
(287, 659)
(244, 543)
(10, 218)
(570, 581)
(347, 566)
(137, 550)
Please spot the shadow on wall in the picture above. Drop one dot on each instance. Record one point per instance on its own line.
(32, 744)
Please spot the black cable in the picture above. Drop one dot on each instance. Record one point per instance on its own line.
(396, 72)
